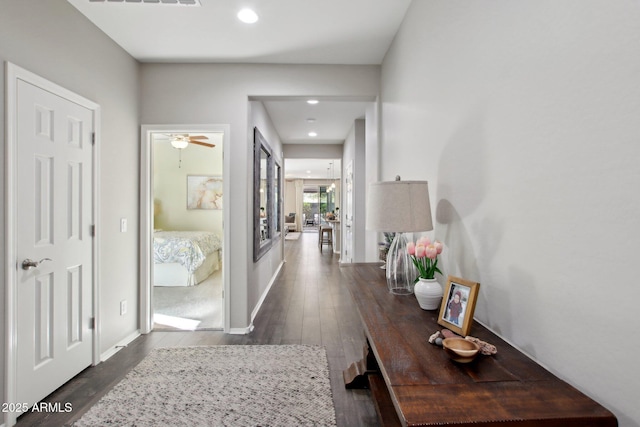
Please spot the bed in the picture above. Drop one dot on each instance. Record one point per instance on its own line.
(184, 258)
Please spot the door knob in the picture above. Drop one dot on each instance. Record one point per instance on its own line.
(28, 264)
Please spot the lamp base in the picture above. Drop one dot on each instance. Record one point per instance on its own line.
(400, 270)
(400, 291)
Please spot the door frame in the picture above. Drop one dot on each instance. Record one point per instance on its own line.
(13, 74)
(347, 243)
(146, 213)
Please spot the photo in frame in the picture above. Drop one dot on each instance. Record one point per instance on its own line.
(458, 305)
(204, 192)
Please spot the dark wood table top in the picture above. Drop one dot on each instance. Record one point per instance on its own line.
(428, 388)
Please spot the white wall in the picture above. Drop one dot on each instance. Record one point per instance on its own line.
(221, 93)
(355, 151)
(289, 202)
(523, 116)
(261, 273)
(372, 172)
(170, 185)
(53, 40)
(312, 151)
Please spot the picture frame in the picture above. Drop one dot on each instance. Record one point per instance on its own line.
(458, 305)
(204, 192)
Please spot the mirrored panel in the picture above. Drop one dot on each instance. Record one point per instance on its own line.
(264, 195)
(266, 199)
(277, 199)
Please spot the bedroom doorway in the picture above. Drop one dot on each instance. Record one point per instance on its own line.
(184, 276)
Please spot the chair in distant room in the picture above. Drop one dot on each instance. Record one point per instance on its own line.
(325, 236)
(290, 222)
(309, 222)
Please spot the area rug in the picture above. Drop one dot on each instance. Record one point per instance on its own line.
(294, 235)
(229, 385)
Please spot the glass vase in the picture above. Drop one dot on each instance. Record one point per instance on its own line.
(401, 272)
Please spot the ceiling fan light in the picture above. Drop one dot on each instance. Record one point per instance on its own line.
(179, 143)
(248, 16)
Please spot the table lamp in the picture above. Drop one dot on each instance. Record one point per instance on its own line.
(400, 207)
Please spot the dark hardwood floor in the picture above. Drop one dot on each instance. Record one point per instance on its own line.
(308, 304)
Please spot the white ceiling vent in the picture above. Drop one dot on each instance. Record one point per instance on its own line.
(164, 2)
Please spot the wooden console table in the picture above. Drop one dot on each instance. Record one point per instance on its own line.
(414, 383)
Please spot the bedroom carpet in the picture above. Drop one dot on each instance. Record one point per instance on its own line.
(189, 307)
(227, 385)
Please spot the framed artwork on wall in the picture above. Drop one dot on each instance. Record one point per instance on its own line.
(458, 305)
(204, 192)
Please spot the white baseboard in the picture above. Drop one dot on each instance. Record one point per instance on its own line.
(248, 329)
(255, 311)
(119, 346)
(241, 331)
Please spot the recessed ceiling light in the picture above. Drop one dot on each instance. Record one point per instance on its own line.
(248, 16)
(312, 101)
(308, 171)
(311, 120)
(313, 134)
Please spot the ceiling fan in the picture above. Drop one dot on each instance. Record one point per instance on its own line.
(182, 140)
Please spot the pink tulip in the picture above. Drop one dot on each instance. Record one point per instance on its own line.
(423, 241)
(431, 252)
(420, 251)
(411, 248)
(438, 246)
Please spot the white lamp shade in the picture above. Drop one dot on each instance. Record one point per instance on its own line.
(179, 143)
(399, 206)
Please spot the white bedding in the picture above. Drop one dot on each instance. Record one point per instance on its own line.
(185, 258)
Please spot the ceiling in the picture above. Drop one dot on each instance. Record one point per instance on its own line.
(330, 119)
(288, 31)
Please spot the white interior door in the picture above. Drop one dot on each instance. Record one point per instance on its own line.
(54, 220)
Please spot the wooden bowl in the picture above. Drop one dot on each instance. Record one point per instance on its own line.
(460, 350)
